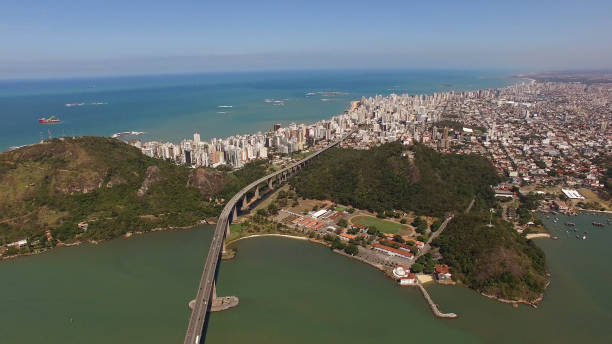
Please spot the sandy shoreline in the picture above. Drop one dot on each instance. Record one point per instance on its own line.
(538, 235)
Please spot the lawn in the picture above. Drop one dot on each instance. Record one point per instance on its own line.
(235, 231)
(382, 225)
(339, 208)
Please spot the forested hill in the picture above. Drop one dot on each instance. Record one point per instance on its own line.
(392, 177)
(108, 184)
(494, 260)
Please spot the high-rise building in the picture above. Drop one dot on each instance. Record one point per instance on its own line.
(196, 139)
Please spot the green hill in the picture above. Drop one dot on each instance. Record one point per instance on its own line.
(494, 260)
(387, 178)
(110, 185)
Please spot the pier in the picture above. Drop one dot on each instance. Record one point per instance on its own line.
(433, 306)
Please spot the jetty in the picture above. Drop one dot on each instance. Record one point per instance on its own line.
(433, 306)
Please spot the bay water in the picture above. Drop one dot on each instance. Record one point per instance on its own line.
(136, 291)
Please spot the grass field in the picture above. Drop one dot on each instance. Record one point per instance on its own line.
(235, 231)
(339, 208)
(382, 225)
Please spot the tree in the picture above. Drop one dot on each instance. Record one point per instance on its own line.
(353, 231)
(337, 244)
(403, 221)
(342, 223)
(351, 249)
(436, 225)
(272, 209)
(398, 238)
(417, 267)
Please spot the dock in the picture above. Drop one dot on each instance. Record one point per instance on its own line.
(434, 307)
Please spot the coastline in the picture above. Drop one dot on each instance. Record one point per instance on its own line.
(537, 235)
(533, 304)
(96, 242)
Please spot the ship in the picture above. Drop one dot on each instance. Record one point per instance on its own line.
(49, 120)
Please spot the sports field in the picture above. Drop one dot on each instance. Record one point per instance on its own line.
(382, 225)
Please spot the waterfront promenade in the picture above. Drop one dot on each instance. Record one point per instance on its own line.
(196, 330)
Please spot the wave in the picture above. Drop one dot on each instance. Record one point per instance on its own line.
(83, 104)
(225, 106)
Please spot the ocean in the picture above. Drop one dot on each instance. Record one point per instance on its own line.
(173, 107)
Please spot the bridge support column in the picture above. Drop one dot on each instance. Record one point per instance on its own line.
(221, 303)
(245, 203)
(256, 193)
(235, 214)
(227, 231)
(270, 184)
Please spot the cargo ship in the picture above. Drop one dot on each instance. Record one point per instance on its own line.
(49, 120)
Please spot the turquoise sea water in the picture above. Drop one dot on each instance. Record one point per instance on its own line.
(174, 107)
(136, 291)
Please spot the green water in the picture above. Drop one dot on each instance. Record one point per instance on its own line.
(135, 291)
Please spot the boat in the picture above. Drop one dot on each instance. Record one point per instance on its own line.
(49, 120)
(571, 224)
(597, 224)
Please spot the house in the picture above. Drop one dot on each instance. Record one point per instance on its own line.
(319, 213)
(393, 251)
(560, 205)
(19, 243)
(416, 243)
(443, 272)
(408, 280)
(401, 246)
(346, 236)
(361, 228)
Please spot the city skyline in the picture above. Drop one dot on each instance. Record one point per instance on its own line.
(89, 39)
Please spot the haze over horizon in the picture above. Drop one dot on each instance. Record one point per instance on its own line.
(90, 38)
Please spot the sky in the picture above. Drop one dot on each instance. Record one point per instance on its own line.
(65, 38)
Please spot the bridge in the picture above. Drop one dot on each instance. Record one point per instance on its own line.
(206, 294)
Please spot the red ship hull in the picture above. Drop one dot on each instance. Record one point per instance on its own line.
(48, 121)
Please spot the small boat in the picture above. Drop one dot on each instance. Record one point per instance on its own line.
(571, 224)
(49, 120)
(597, 224)
(584, 237)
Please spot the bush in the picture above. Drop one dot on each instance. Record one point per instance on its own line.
(337, 244)
(351, 249)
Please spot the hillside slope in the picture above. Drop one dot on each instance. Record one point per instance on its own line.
(108, 184)
(494, 260)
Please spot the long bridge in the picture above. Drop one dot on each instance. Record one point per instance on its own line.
(201, 306)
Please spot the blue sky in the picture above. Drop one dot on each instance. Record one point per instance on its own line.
(84, 37)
